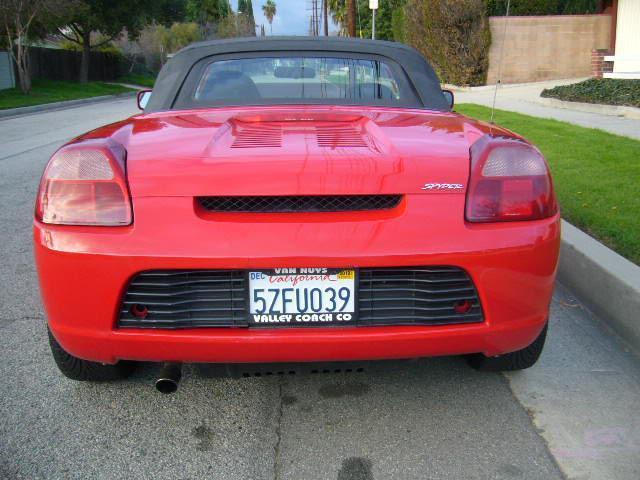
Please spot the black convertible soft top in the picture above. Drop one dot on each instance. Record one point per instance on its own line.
(416, 67)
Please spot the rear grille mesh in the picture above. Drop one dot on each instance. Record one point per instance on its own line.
(185, 298)
(300, 203)
(219, 298)
(417, 295)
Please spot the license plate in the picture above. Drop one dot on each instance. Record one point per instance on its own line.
(302, 297)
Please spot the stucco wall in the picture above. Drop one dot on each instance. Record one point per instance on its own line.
(546, 48)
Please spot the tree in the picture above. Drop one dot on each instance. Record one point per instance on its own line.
(245, 9)
(204, 12)
(19, 20)
(178, 36)
(109, 17)
(168, 12)
(351, 17)
(269, 10)
(338, 11)
(389, 11)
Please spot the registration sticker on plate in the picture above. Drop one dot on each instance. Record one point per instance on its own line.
(302, 297)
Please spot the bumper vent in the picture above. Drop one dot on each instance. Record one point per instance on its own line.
(300, 203)
(185, 299)
(219, 298)
(417, 296)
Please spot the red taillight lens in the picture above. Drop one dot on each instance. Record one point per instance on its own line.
(85, 184)
(509, 181)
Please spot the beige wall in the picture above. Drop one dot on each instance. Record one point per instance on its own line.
(546, 48)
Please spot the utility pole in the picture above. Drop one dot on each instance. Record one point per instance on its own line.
(351, 15)
(314, 20)
(325, 12)
(373, 5)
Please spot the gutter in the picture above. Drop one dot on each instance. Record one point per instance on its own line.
(606, 282)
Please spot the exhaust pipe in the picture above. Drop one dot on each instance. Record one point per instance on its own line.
(169, 378)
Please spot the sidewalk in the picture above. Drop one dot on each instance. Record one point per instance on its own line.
(525, 98)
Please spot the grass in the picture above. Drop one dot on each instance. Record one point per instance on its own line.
(135, 79)
(609, 91)
(47, 91)
(596, 175)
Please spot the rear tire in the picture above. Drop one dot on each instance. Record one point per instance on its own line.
(84, 370)
(518, 360)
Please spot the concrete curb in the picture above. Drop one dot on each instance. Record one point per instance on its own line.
(606, 282)
(542, 83)
(614, 110)
(14, 112)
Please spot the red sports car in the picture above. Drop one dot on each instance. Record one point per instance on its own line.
(295, 200)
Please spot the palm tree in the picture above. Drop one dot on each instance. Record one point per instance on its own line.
(269, 10)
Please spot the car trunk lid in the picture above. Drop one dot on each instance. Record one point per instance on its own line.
(297, 151)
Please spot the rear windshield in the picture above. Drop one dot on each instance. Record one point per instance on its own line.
(300, 80)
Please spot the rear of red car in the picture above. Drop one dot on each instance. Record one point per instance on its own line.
(295, 233)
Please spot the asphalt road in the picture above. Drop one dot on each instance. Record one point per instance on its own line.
(573, 415)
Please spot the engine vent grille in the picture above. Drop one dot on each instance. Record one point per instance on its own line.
(340, 137)
(252, 137)
(218, 298)
(300, 203)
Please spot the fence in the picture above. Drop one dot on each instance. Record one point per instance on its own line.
(546, 47)
(54, 64)
(7, 79)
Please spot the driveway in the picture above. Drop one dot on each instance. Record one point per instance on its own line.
(525, 98)
(574, 414)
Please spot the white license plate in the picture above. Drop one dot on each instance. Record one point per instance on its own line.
(302, 297)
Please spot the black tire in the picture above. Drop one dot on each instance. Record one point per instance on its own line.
(518, 360)
(84, 370)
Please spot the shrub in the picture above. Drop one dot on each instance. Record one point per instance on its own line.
(609, 91)
(454, 35)
(398, 25)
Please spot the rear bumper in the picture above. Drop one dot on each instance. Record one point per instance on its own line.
(84, 270)
(296, 345)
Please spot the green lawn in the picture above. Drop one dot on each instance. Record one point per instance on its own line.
(596, 175)
(47, 91)
(142, 80)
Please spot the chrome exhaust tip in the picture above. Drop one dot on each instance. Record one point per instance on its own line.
(169, 378)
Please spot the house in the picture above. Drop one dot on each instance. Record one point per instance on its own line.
(625, 39)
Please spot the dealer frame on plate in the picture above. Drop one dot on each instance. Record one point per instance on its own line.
(316, 279)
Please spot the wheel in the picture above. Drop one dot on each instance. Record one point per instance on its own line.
(518, 360)
(84, 370)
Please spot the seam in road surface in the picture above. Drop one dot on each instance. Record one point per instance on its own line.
(532, 419)
(276, 448)
(32, 149)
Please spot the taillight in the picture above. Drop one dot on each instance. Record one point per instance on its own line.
(85, 184)
(509, 181)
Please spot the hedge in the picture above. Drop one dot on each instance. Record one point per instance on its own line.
(453, 34)
(609, 91)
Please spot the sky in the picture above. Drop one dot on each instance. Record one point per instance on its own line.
(292, 17)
